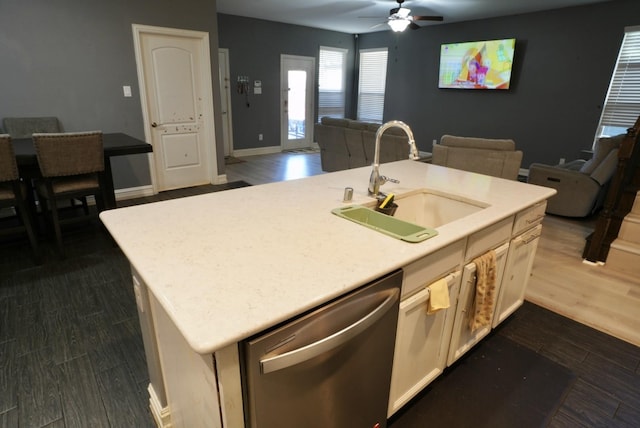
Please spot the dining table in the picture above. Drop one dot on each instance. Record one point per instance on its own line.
(114, 144)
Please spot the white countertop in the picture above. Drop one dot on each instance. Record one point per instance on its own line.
(227, 265)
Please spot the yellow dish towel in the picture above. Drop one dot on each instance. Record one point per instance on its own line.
(485, 290)
(439, 296)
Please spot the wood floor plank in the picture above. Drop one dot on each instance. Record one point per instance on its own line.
(8, 375)
(131, 345)
(9, 419)
(57, 424)
(118, 303)
(31, 332)
(102, 343)
(8, 318)
(564, 352)
(628, 414)
(38, 396)
(85, 299)
(621, 383)
(81, 398)
(124, 405)
(66, 337)
(589, 405)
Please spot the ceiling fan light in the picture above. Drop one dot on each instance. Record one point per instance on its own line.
(398, 25)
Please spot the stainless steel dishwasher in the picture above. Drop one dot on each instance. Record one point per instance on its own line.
(328, 368)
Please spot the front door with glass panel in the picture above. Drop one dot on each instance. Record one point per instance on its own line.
(297, 83)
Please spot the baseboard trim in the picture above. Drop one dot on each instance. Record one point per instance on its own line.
(161, 415)
(257, 151)
(134, 192)
(220, 179)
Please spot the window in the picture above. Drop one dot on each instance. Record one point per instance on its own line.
(371, 86)
(331, 82)
(622, 105)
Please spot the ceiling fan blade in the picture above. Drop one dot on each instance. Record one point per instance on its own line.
(414, 26)
(377, 25)
(403, 12)
(428, 18)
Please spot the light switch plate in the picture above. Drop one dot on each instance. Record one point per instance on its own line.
(127, 91)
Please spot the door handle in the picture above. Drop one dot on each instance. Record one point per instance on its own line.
(296, 356)
(153, 124)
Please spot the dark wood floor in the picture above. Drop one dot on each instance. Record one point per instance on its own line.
(71, 353)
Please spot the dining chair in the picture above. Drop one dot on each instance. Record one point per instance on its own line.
(24, 127)
(72, 166)
(13, 195)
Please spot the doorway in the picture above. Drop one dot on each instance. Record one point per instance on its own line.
(225, 100)
(297, 83)
(174, 73)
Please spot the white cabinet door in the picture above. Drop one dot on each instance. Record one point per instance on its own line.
(462, 338)
(421, 344)
(517, 272)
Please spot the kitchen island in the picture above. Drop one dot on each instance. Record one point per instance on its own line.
(212, 270)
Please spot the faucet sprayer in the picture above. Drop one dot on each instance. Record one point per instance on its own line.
(376, 180)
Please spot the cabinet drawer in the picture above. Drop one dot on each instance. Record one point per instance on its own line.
(488, 238)
(431, 267)
(529, 217)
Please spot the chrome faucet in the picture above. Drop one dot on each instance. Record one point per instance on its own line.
(376, 180)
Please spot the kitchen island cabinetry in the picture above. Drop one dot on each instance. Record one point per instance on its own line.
(522, 250)
(495, 237)
(463, 337)
(207, 285)
(422, 339)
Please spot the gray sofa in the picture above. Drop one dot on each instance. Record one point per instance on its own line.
(495, 157)
(581, 184)
(346, 144)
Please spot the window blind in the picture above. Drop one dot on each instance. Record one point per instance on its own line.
(622, 104)
(371, 84)
(331, 82)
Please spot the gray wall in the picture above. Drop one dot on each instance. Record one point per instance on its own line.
(70, 59)
(563, 64)
(255, 47)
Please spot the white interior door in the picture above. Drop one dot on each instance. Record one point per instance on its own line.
(297, 81)
(174, 70)
(225, 100)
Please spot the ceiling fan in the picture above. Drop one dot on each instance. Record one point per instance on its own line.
(399, 18)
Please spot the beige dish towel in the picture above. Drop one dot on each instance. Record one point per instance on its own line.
(485, 290)
(438, 296)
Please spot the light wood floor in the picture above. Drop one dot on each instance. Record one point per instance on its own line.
(270, 168)
(593, 295)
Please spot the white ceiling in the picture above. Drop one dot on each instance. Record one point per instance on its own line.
(346, 15)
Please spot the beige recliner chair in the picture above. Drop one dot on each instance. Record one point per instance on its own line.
(495, 157)
(581, 184)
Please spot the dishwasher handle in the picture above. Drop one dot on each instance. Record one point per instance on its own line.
(296, 356)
